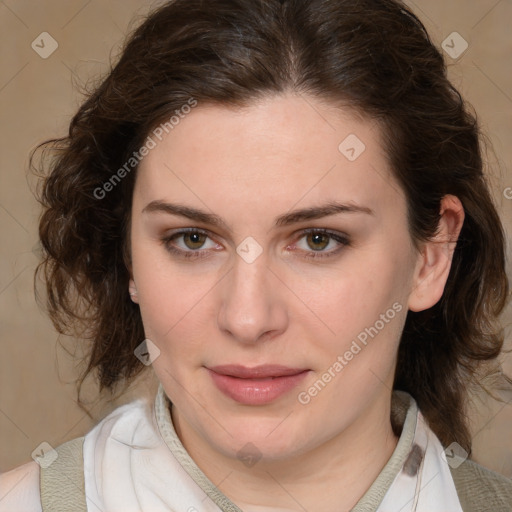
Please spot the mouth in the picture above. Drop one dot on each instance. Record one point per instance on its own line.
(259, 385)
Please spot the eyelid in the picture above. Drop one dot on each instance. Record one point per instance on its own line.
(183, 231)
(341, 238)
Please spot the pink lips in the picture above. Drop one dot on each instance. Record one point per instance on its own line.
(256, 386)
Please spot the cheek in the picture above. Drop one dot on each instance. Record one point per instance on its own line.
(355, 297)
(179, 306)
(171, 301)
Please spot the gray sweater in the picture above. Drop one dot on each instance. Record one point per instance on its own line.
(479, 489)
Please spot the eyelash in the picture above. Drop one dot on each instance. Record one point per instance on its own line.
(200, 254)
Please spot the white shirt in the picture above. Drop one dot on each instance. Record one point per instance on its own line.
(135, 462)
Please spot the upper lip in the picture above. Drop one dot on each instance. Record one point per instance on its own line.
(263, 371)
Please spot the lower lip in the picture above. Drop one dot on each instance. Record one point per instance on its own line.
(256, 391)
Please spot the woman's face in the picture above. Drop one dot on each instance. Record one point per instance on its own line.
(277, 316)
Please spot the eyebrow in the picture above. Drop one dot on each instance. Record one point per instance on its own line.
(293, 217)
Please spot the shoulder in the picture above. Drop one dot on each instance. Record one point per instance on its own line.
(28, 487)
(481, 489)
(34, 487)
(62, 478)
(19, 489)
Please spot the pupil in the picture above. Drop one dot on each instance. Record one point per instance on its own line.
(195, 238)
(317, 239)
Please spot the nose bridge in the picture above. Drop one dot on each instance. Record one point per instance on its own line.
(250, 280)
(251, 306)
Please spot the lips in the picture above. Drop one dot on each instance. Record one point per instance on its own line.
(258, 372)
(258, 385)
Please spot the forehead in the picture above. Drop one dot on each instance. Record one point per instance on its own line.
(270, 156)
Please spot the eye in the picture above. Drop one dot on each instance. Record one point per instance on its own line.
(317, 240)
(193, 243)
(194, 240)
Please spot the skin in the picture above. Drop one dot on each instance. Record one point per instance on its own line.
(249, 166)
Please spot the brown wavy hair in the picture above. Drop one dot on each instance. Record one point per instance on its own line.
(373, 56)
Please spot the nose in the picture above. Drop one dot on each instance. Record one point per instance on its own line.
(252, 308)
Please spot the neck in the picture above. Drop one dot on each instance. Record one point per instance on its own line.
(331, 478)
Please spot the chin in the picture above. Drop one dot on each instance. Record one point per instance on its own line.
(267, 439)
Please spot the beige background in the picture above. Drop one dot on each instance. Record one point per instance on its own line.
(38, 97)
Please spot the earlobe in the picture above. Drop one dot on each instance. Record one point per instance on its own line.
(133, 291)
(435, 259)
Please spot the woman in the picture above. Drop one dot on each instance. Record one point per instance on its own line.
(280, 206)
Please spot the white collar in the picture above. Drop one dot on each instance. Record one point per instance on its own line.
(135, 462)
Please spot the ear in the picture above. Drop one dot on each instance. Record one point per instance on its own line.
(133, 291)
(435, 258)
